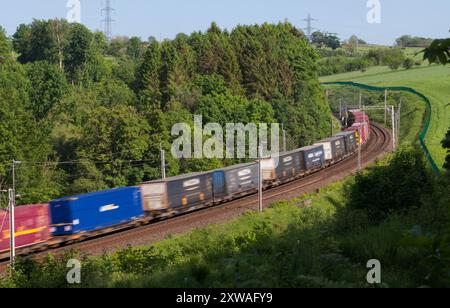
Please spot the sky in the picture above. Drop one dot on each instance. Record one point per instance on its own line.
(166, 18)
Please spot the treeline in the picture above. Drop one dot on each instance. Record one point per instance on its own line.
(102, 110)
(413, 41)
(341, 61)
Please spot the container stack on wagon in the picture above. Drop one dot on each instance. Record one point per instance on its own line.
(283, 167)
(178, 192)
(334, 148)
(350, 140)
(235, 181)
(360, 124)
(32, 226)
(313, 157)
(358, 116)
(95, 211)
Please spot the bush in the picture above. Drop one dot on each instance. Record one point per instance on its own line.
(446, 146)
(408, 63)
(342, 64)
(388, 189)
(392, 57)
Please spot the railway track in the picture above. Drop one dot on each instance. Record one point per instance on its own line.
(378, 145)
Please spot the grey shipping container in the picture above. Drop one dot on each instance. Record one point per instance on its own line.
(235, 181)
(351, 142)
(289, 165)
(313, 157)
(337, 147)
(178, 192)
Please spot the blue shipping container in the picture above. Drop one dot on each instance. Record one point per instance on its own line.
(95, 211)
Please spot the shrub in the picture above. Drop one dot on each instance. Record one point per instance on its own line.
(408, 63)
(395, 187)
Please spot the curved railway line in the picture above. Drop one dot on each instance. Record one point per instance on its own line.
(378, 145)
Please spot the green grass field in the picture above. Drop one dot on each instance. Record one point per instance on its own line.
(432, 81)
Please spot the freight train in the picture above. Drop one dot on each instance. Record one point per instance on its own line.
(68, 220)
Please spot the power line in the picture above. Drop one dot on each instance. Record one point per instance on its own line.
(81, 161)
(108, 21)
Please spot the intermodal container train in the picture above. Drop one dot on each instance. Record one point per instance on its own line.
(79, 217)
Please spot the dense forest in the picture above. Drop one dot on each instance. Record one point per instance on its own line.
(84, 114)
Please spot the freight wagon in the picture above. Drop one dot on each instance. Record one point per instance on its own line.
(362, 131)
(358, 116)
(313, 157)
(334, 149)
(283, 167)
(31, 226)
(95, 211)
(235, 181)
(350, 140)
(290, 166)
(178, 194)
(361, 118)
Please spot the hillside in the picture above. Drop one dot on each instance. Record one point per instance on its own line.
(432, 81)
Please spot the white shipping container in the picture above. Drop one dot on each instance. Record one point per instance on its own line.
(328, 150)
(268, 166)
(154, 196)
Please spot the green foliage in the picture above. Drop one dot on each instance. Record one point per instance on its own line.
(100, 42)
(392, 57)
(21, 42)
(117, 47)
(134, 48)
(410, 41)
(78, 50)
(21, 138)
(13, 96)
(446, 145)
(408, 63)
(321, 39)
(393, 188)
(48, 86)
(269, 62)
(109, 140)
(438, 52)
(125, 70)
(73, 47)
(437, 259)
(5, 45)
(148, 76)
(42, 41)
(113, 93)
(342, 64)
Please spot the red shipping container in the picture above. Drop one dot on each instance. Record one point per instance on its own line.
(362, 118)
(32, 226)
(363, 127)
